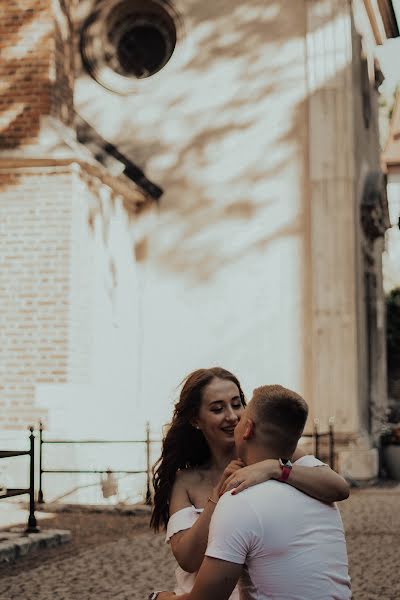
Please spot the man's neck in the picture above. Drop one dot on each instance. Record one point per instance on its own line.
(258, 454)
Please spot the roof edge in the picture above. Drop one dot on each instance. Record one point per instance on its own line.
(127, 190)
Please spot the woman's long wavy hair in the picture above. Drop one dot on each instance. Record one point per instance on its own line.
(183, 446)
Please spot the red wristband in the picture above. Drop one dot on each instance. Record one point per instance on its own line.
(286, 467)
(285, 474)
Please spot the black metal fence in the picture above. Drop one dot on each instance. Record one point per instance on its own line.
(147, 441)
(316, 436)
(11, 492)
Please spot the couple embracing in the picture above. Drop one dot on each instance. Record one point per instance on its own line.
(248, 515)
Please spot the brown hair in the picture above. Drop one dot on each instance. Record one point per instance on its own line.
(280, 415)
(183, 446)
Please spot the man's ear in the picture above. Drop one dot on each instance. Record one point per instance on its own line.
(248, 430)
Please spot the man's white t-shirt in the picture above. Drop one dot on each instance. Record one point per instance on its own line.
(292, 545)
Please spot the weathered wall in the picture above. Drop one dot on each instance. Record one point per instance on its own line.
(68, 316)
(249, 213)
(98, 397)
(250, 260)
(35, 213)
(223, 129)
(68, 312)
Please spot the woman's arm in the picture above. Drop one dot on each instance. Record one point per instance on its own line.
(189, 546)
(319, 482)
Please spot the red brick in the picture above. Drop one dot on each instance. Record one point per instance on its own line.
(39, 314)
(26, 79)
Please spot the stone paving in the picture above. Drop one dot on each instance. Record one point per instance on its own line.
(116, 557)
(16, 542)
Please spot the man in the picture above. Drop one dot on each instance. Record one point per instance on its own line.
(291, 546)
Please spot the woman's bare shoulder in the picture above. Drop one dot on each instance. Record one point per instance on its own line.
(189, 476)
(187, 487)
(186, 481)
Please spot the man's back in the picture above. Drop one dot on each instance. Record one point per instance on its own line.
(293, 545)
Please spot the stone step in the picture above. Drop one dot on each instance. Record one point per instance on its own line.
(16, 543)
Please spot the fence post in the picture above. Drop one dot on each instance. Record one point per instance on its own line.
(32, 526)
(148, 466)
(316, 438)
(331, 442)
(40, 493)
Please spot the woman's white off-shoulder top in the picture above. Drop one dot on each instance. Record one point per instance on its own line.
(179, 521)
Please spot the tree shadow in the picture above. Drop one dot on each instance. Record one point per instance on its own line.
(203, 141)
(212, 145)
(208, 144)
(223, 35)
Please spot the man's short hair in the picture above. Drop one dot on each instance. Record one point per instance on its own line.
(280, 416)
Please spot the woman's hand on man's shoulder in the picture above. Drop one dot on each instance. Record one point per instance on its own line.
(229, 472)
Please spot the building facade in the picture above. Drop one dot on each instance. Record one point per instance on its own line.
(259, 121)
(391, 159)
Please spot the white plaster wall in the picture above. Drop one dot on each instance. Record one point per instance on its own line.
(99, 400)
(103, 313)
(392, 254)
(222, 129)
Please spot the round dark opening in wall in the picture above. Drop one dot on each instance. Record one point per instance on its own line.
(127, 40)
(142, 50)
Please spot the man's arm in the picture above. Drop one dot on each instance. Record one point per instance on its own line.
(216, 579)
(229, 543)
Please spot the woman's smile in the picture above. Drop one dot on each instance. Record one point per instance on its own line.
(229, 429)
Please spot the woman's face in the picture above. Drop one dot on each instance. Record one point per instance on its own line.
(220, 411)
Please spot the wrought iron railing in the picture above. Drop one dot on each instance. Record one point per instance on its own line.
(316, 437)
(147, 441)
(12, 492)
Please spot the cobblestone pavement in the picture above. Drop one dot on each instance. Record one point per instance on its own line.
(116, 557)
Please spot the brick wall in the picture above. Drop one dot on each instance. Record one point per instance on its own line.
(49, 219)
(64, 233)
(36, 80)
(36, 68)
(35, 210)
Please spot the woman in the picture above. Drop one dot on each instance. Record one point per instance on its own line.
(198, 463)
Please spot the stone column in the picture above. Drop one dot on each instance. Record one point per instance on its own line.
(333, 219)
